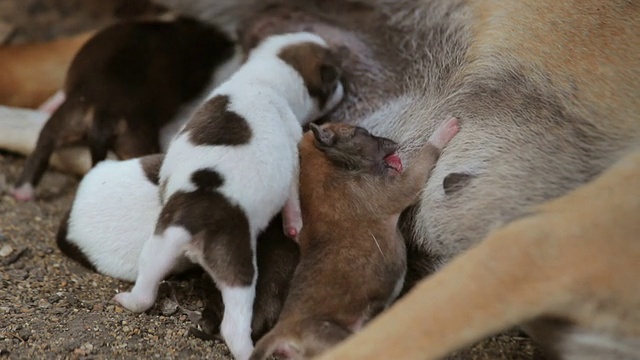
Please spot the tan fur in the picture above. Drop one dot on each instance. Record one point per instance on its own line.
(31, 73)
(574, 259)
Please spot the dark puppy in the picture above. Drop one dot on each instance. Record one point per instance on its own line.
(124, 85)
(352, 190)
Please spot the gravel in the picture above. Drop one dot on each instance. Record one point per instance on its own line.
(51, 307)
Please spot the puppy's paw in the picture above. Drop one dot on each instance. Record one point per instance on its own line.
(291, 220)
(445, 132)
(24, 192)
(132, 303)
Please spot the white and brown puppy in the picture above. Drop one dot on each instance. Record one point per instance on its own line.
(126, 86)
(353, 187)
(231, 169)
(113, 214)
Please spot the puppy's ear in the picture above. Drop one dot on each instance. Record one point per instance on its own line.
(330, 71)
(329, 74)
(324, 137)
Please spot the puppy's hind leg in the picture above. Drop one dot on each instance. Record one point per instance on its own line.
(159, 256)
(102, 135)
(236, 321)
(229, 257)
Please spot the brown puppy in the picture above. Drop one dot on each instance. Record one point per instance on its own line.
(575, 264)
(353, 188)
(124, 85)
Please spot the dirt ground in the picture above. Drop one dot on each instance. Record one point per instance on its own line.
(52, 308)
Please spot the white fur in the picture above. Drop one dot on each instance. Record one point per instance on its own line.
(114, 213)
(159, 256)
(236, 322)
(272, 98)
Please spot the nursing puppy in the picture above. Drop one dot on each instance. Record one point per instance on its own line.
(353, 187)
(114, 212)
(231, 169)
(126, 84)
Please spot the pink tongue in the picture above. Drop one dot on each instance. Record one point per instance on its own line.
(394, 161)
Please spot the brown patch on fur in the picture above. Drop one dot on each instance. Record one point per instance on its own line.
(318, 67)
(277, 257)
(214, 124)
(70, 249)
(151, 165)
(350, 204)
(134, 76)
(219, 229)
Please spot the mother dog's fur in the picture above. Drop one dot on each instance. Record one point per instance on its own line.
(547, 92)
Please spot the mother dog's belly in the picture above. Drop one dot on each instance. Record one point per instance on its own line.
(517, 156)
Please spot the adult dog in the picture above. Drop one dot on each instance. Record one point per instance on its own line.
(547, 93)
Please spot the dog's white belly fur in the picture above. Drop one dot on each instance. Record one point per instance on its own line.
(115, 212)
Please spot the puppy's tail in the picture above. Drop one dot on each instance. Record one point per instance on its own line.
(20, 130)
(278, 344)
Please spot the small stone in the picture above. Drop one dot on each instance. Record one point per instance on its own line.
(118, 310)
(168, 307)
(24, 334)
(6, 250)
(43, 304)
(87, 348)
(97, 307)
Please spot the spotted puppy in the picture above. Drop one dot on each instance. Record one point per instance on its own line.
(231, 168)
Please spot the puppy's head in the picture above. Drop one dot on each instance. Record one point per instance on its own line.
(317, 65)
(354, 149)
